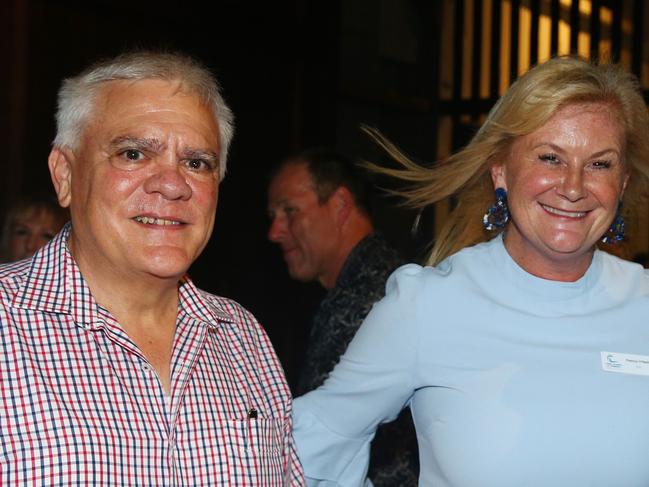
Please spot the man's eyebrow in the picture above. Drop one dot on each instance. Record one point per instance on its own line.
(280, 203)
(150, 144)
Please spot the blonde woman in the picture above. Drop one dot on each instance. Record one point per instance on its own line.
(524, 353)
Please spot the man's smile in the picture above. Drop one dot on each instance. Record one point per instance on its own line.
(148, 220)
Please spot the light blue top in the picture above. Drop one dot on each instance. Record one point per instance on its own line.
(504, 374)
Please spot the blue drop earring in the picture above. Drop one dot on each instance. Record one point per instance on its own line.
(615, 233)
(497, 215)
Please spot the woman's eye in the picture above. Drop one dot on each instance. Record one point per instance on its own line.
(551, 158)
(601, 164)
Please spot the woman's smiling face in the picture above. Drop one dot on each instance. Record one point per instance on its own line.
(564, 182)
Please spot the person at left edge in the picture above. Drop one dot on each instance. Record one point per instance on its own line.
(116, 368)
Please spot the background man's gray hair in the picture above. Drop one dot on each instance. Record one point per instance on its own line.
(77, 95)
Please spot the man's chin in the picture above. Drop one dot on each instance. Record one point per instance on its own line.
(300, 275)
(166, 263)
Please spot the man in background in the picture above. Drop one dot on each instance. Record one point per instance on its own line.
(318, 203)
(116, 368)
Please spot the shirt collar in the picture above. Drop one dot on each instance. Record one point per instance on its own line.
(54, 284)
(193, 302)
(48, 281)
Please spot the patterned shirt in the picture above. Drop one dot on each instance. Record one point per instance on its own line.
(82, 406)
(394, 456)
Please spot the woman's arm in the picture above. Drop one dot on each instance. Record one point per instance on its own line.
(373, 381)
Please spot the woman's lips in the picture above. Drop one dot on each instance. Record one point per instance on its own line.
(564, 213)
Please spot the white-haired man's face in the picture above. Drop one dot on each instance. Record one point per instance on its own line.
(142, 186)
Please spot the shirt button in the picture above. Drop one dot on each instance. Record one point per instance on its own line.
(146, 368)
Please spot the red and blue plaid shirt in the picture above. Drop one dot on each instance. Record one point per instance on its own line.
(80, 405)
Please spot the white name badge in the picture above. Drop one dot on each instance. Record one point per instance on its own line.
(625, 363)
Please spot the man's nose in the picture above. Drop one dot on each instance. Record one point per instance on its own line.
(169, 180)
(276, 230)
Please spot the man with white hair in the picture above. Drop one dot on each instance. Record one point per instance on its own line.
(116, 368)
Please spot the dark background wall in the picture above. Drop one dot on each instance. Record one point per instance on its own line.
(296, 73)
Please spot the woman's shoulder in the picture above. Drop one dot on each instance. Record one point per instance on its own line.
(620, 272)
(410, 278)
(458, 270)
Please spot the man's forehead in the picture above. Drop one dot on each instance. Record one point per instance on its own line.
(135, 108)
(296, 173)
(293, 177)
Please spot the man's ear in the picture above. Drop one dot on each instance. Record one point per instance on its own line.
(498, 175)
(343, 203)
(60, 164)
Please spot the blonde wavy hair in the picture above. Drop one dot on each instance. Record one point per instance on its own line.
(526, 106)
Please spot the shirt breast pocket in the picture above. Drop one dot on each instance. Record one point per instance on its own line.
(263, 436)
(258, 446)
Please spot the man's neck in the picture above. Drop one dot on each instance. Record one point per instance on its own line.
(146, 307)
(134, 297)
(350, 239)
